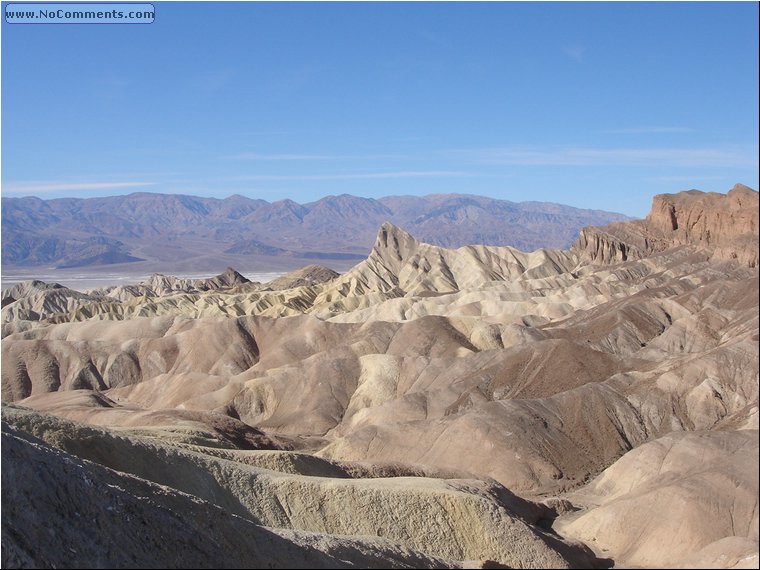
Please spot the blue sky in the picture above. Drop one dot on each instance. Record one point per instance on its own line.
(598, 105)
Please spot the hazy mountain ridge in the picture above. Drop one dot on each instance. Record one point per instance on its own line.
(144, 226)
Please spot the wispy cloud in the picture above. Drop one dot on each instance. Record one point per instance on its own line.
(258, 156)
(47, 187)
(361, 176)
(686, 179)
(305, 157)
(433, 37)
(575, 52)
(212, 81)
(592, 156)
(647, 131)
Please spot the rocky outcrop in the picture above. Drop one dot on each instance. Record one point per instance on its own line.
(225, 280)
(724, 226)
(615, 243)
(307, 276)
(159, 284)
(34, 300)
(398, 259)
(26, 289)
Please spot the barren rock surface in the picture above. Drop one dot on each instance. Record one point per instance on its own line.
(455, 519)
(428, 392)
(701, 484)
(104, 518)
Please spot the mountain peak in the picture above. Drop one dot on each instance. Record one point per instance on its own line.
(233, 275)
(739, 187)
(391, 235)
(741, 196)
(228, 278)
(393, 245)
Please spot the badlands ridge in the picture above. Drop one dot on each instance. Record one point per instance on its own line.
(431, 407)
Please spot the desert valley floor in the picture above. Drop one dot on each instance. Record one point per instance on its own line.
(430, 407)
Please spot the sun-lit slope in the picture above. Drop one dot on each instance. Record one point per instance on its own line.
(676, 499)
(595, 380)
(596, 383)
(674, 368)
(144, 524)
(452, 519)
(398, 266)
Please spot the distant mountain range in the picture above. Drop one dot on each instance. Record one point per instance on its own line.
(189, 232)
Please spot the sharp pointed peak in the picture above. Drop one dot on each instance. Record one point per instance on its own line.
(390, 228)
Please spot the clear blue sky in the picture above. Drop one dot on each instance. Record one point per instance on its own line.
(589, 104)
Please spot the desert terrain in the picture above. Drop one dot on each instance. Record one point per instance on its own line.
(468, 407)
